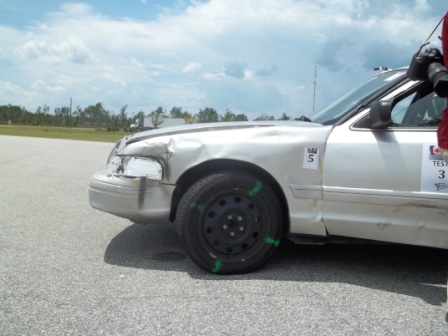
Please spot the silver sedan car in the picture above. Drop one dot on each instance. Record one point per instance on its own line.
(366, 168)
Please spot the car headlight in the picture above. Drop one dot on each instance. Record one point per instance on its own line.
(135, 166)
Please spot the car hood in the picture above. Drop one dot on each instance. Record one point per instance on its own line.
(223, 139)
(208, 127)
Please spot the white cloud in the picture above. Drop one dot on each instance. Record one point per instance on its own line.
(115, 80)
(192, 67)
(71, 50)
(41, 86)
(10, 88)
(34, 49)
(422, 6)
(73, 10)
(253, 56)
(187, 95)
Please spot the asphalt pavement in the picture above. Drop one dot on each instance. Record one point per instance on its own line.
(67, 269)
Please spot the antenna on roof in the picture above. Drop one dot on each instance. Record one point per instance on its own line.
(314, 91)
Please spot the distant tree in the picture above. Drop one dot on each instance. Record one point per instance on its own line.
(176, 112)
(38, 116)
(189, 119)
(76, 117)
(123, 121)
(62, 115)
(15, 114)
(241, 117)
(42, 116)
(59, 119)
(157, 117)
(65, 110)
(228, 116)
(113, 123)
(207, 115)
(139, 118)
(284, 117)
(96, 115)
(263, 117)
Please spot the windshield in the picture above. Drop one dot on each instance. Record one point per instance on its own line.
(355, 97)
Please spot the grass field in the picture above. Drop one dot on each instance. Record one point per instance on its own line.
(61, 133)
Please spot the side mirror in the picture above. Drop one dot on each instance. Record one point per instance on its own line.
(380, 114)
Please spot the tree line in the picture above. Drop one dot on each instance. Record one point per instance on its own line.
(97, 117)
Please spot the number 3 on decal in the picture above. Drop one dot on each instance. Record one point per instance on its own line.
(442, 174)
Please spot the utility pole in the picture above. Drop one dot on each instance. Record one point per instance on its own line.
(315, 84)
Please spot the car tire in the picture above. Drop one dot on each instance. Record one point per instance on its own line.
(230, 222)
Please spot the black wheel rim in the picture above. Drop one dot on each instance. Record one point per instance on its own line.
(233, 225)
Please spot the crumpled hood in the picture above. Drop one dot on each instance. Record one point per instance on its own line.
(207, 127)
(232, 140)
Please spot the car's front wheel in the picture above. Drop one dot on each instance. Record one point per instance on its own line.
(230, 222)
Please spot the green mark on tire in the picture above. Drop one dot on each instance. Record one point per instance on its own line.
(256, 189)
(272, 241)
(200, 207)
(217, 267)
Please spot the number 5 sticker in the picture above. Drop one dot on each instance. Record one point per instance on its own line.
(311, 158)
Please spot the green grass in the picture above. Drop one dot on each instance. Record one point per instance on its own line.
(61, 133)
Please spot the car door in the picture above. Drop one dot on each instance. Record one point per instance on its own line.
(389, 184)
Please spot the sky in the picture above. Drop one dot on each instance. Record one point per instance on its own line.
(247, 56)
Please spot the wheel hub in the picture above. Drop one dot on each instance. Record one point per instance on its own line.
(232, 224)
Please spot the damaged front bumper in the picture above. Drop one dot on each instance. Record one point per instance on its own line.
(139, 199)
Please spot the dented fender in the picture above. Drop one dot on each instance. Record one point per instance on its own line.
(281, 149)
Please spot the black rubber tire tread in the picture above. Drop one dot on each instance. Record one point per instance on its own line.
(254, 196)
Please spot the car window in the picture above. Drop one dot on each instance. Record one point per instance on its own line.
(401, 108)
(358, 96)
(419, 109)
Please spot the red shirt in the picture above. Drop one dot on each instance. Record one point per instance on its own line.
(442, 132)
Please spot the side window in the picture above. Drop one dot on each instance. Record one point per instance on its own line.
(401, 108)
(420, 109)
